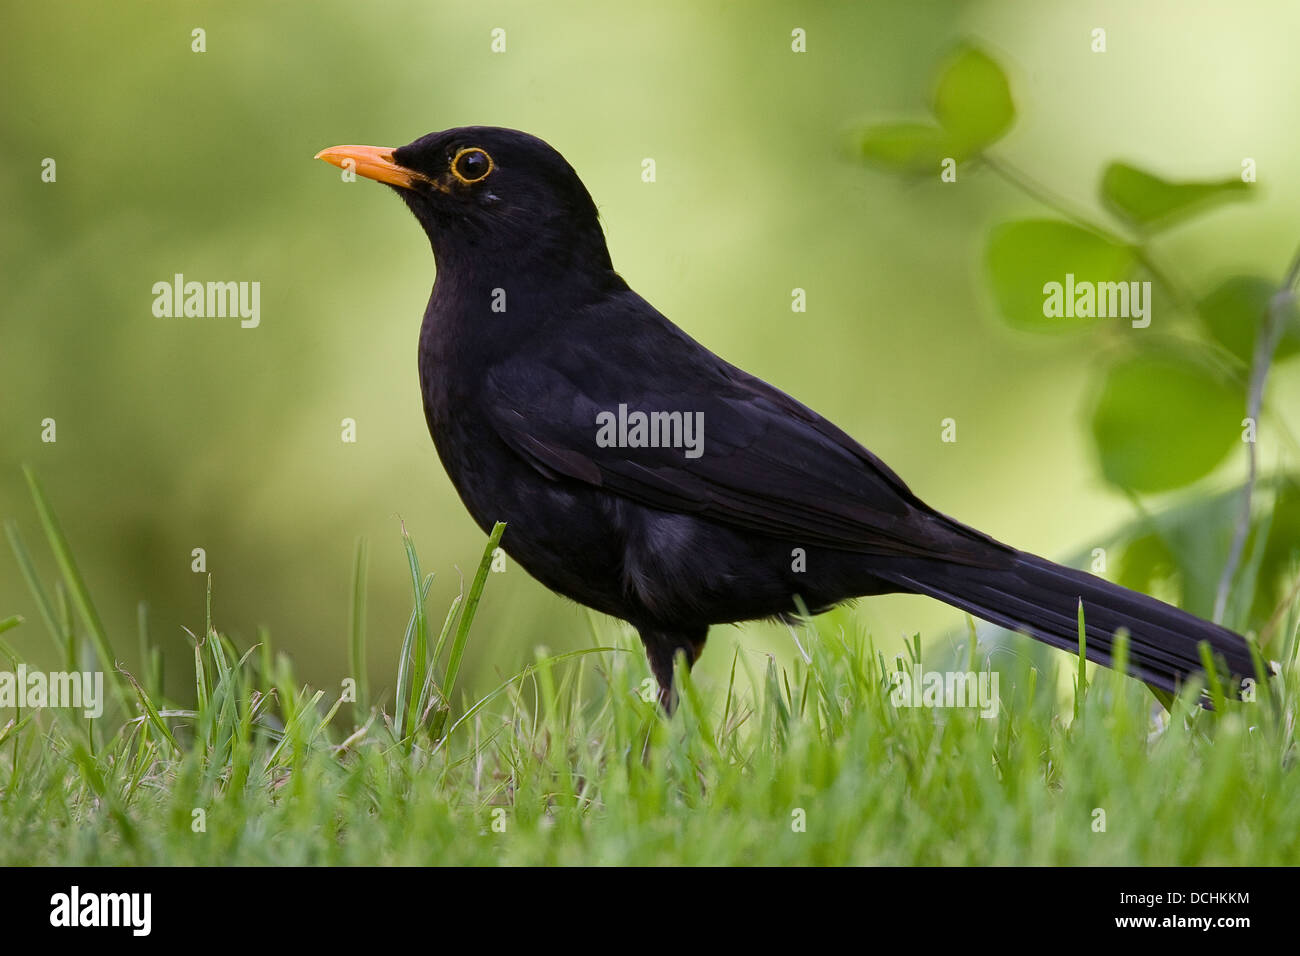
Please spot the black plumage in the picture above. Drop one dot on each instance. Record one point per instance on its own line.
(530, 337)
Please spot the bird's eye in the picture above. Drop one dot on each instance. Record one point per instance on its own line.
(471, 165)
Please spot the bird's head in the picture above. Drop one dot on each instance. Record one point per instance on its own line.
(488, 198)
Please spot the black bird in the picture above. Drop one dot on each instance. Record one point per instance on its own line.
(536, 358)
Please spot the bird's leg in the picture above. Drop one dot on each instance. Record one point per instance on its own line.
(661, 647)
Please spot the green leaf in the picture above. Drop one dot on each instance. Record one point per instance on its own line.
(1147, 201)
(1025, 257)
(973, 100)
(1236, 308)
(1163, 422)
(1147, 563)
(1281, 552)
(1185, 551)
(905, 147)
(1177, 553)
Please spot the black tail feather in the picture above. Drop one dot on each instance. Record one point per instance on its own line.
(1040, 598)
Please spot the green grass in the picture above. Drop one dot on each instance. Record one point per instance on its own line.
(568, 762)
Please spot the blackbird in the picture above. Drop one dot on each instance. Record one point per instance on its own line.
(643, 476)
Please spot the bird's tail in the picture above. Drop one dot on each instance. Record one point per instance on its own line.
(1035, 596)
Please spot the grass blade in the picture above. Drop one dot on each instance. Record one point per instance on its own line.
(471, 606)
(76, 585)
(24, 558)
(357, 636)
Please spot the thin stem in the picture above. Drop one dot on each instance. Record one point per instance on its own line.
(1044, 194)
(1270, 333)
(1053, 200)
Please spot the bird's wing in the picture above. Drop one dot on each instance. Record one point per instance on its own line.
(767, 463)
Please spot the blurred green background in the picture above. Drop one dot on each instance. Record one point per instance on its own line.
(175, 434)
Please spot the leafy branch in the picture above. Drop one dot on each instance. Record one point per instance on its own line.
(1266, 343)
(1169, 405)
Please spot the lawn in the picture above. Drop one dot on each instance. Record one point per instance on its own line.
(569, 761)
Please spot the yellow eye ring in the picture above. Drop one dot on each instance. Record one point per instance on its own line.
(471, 165)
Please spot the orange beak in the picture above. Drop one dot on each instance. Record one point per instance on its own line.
(373, 162)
